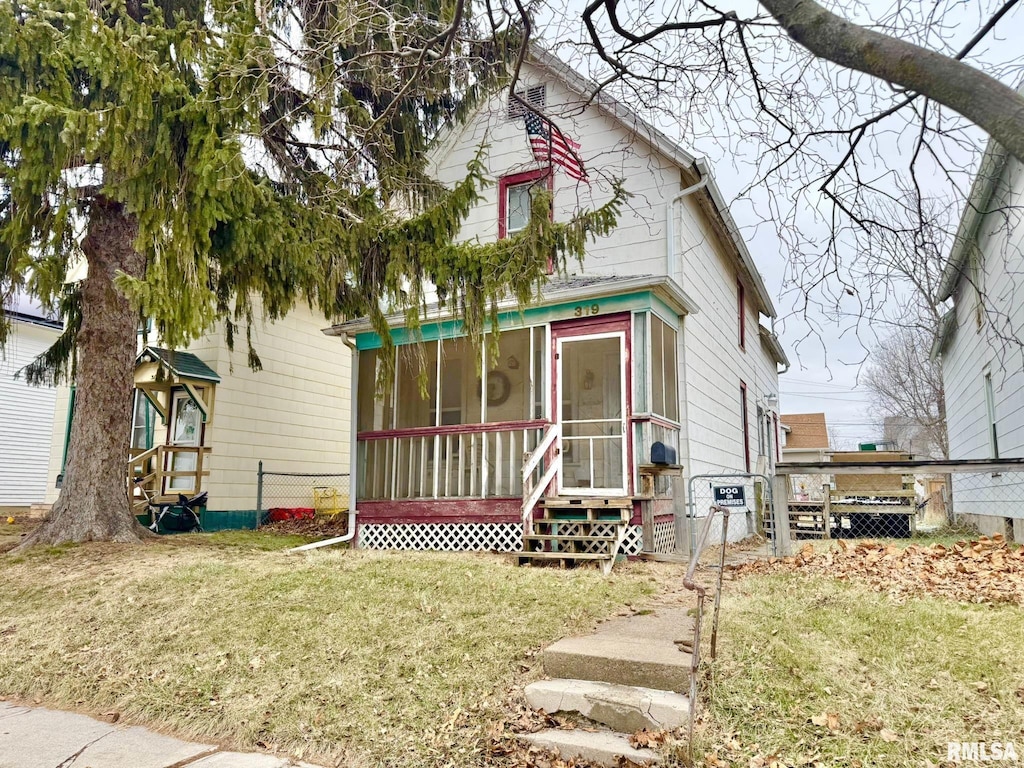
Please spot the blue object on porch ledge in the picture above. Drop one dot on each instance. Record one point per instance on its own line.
(662, 454)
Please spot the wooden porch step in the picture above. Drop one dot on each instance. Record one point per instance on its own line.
(563, 537)
(523, 556)
(548, 519)
(552, 502)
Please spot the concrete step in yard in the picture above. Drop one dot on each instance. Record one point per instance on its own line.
(619, 659)
(620, 707)
(602, 747)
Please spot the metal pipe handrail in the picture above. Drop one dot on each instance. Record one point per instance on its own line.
(701, 591)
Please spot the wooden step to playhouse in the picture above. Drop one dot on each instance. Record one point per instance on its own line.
(585, 516)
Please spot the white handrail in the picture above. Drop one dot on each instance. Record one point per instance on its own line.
(531, 493)
(550, 435)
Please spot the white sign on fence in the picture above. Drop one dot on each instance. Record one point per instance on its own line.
(729, 496)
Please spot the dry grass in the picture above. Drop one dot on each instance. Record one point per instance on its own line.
(378, 659)
(815, 671)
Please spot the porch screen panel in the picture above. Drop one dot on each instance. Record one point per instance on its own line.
(641, 361)
(664, 370)
(540, 358)
(657, 366)
(592, 429)
(460, 400)
(376, 410)
(414, 410)
(508, 378)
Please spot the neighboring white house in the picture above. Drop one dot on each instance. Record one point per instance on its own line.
(203, 411)
(979, 343)
(26, 413)
(657, 338)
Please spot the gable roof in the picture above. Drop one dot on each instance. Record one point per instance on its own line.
(709, 197)
(806, 430)
(993, 163)
(184, 365)
(979, 201)
(772, 343)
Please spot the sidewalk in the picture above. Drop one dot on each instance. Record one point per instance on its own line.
(45, 738)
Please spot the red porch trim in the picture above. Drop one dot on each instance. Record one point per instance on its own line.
(453, 429)
(619, 322)
(413, 511)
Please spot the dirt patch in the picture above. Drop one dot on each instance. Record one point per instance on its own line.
(318, 527)
(986, 570)
(13, 529)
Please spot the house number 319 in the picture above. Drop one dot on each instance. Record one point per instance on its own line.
(582, 311)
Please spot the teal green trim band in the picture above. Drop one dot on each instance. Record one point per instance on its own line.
(531, 316)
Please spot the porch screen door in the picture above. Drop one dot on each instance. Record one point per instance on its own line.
(186, 430)
(592, 412)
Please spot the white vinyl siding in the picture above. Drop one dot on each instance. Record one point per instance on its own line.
(26, 419)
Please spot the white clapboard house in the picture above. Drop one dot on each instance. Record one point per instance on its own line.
(26, 413)
(657, 338)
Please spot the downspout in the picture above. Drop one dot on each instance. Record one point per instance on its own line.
(670, 229)
(354, 411)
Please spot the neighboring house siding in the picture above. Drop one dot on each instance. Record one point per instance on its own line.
(293, 415)
(972, 352)
(26, 418)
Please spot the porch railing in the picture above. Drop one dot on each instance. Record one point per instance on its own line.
(153, 471)
(461, 461)
(533, 488)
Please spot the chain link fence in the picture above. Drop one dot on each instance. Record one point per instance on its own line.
(748, 497)
(301, 495)
(897, 503)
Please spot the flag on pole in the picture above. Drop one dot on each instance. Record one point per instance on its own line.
(550, 145)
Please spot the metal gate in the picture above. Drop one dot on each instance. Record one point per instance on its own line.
(749, 498)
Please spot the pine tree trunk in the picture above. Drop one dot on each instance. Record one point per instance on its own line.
(93, 504)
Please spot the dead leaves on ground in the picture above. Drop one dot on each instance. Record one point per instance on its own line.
(982, 571)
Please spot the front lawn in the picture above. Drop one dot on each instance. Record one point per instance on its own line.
(813, 671)
(378, 658)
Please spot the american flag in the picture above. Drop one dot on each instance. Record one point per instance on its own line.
(551, 145)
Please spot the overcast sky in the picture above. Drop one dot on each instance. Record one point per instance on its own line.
(827, 356)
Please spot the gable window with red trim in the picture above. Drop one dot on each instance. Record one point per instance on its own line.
(515, 193)
(741, 313)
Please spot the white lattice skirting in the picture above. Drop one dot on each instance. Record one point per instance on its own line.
(665, 537)
(443, 537)
(465, 537)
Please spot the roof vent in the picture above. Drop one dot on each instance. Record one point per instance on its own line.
(535, 96)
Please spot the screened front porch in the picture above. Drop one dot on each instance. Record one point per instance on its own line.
(456, 422)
